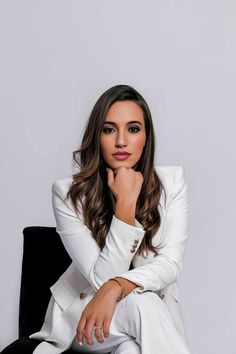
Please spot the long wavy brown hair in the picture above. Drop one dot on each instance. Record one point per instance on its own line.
(89, 191)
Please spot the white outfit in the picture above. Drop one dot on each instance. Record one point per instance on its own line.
(153, 322)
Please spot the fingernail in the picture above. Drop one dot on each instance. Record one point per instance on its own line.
(107, 169)
(80, 343)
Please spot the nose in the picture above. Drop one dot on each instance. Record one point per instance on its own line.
(120, 141)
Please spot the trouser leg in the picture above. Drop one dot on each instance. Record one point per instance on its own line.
(129, 346)
(145, 317)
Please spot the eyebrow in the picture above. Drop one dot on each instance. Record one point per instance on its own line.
(131, 122)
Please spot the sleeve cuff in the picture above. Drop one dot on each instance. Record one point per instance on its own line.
(137, 223)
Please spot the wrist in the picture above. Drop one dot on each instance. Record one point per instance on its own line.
(116, 288)
(126, 202)
(125, 211)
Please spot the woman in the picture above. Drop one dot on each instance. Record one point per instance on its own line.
(123, 222)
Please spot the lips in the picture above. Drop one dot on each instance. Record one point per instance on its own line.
(121, 154)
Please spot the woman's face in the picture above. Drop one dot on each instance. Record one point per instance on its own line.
(123, 131)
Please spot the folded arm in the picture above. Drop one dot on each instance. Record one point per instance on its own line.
(96, 266)
(165, 268)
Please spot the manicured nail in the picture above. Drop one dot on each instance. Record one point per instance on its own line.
(80, 343)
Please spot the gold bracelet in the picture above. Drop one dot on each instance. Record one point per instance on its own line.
(122, 287)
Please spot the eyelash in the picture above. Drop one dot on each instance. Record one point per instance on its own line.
(104, 129)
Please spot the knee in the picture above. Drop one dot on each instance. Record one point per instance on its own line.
(136, 308)
(127, 347)
(140, 300)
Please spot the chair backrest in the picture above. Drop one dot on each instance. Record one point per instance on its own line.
(44, 260)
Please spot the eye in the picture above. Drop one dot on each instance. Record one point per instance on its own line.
(105, 130)
(135, 128)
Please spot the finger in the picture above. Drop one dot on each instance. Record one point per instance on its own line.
(89, 332)
(98, 332)
(141, 176)
(84, 335)
(106, 327)
(110, 176)
(80, 329)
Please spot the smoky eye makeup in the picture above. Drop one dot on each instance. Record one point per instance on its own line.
(106, 129)
(134, 129)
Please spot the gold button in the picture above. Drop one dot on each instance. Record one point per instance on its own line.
(132, 251)
(82, 295)
(134, 246)
(162, 296)
(136, 241)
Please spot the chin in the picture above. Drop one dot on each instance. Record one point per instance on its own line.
(125, 164)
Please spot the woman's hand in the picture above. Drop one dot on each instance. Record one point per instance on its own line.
(98, 312)
(125, 183)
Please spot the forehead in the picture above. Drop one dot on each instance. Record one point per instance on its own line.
(123, 111)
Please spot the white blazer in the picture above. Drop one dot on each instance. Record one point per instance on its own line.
(90, 267)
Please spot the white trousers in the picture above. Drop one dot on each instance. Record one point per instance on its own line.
(141, 323)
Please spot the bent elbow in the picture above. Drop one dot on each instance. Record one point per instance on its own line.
(171, 270)
(95, 281)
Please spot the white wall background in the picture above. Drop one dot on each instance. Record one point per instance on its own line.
(57, 57)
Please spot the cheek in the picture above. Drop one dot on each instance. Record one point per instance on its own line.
(140, 141)
(105, 144)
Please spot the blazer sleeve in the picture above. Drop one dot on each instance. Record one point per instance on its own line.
(95, 265)
(165, 268)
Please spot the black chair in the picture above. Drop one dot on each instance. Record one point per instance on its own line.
(39, 272)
